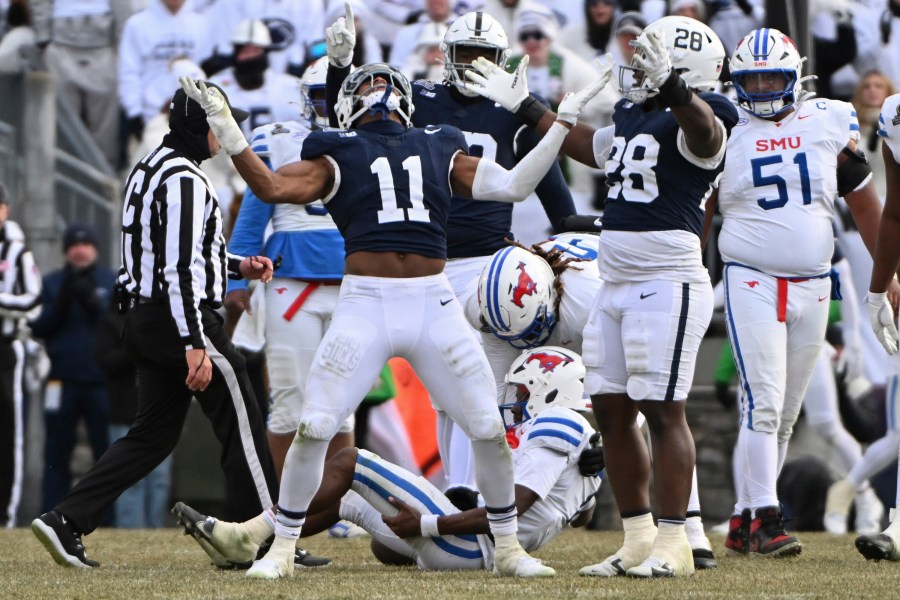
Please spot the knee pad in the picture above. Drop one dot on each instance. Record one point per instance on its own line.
(484, 427)
(765, 422)
(317, 425)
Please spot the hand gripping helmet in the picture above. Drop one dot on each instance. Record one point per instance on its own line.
(544, 377)
(394, 96)
(766, 51)
(517, 298)
(474, 29)
(696, 52)
(312, 90)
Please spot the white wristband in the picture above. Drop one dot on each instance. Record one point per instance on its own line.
(429, 526)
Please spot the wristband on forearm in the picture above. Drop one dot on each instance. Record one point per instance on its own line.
(674, 91)
(429, 526)
(531, 110)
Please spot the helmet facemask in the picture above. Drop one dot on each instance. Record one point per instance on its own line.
(393, 95)
(479, 33)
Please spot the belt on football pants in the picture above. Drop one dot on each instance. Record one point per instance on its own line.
(782, 289)
(298, 303)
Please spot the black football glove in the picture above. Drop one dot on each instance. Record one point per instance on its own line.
(591, 461)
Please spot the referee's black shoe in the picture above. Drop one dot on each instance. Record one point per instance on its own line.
(61, 540)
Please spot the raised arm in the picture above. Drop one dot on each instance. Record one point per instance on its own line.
(510, 90)
(297, 183)
(483, 179)
(703, 133)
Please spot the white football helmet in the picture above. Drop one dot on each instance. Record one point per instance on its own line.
(312, 89)
(766, 51)
(517, 298)
(542, 378)
(697, 55)
(396, 96)
(474, 29)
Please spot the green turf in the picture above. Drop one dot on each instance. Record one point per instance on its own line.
(141, 564)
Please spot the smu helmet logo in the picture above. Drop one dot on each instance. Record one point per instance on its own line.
(547, 361)
(525, 286)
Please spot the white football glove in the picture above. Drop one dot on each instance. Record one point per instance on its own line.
(572, 104)
(881, 316)
(508, 90)
(218, 115)
(651, 56)
(340, 39)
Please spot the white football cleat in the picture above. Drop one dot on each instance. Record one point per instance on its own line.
(515, 562)
(346, 530)
(666, 561)
(278, 563)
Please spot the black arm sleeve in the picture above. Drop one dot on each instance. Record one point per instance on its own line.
(334, 78)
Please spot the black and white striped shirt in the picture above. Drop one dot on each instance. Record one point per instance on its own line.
(20, 283)
(173, 249)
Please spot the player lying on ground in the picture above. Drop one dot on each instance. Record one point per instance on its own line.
(411, 521)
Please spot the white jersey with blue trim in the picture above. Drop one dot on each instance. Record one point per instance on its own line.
(580, 283)
(546, 462)
(305, 236)
(779, 186)
(889, 124)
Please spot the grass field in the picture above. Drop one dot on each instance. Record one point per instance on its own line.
(144, 564)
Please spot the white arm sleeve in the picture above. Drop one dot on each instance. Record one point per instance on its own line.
(493, 182)
(603, 140)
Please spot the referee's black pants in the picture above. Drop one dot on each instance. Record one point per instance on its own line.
(12, 428)
(152, 341)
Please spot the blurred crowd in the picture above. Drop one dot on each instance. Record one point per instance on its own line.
(117, 64)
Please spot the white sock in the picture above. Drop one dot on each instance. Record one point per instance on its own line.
(694, 501)
(760, 453)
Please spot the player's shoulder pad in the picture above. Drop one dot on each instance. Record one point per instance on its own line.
(321, 142)
(722, 107)
(262, 138)
(561, 429)
(889, 118)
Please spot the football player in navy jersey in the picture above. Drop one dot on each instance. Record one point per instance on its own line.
(388, 188)
(662, 156)
(475, 229)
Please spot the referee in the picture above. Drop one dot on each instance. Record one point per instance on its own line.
(20, 299)
(171, 282)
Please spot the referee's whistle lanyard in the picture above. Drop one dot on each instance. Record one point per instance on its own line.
(782, 286)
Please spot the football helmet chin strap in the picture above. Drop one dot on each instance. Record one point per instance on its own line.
(382, 105)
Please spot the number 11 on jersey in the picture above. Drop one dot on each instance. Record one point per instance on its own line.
(390, 209)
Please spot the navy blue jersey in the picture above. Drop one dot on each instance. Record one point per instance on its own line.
(652, 186)
(475, 227)
(394, 188)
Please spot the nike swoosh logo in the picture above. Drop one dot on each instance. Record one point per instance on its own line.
(446, 302)
(643, 295)
(432, 131)
(598, 223)
(823, 298)
(801, 117)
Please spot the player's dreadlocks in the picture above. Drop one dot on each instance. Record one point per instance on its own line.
(558, 259)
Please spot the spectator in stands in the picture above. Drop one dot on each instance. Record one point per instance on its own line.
(874, 87)
(293, 25)
(407, 41)
(890, 39)
(593, 35)
(152, 38)
(145, 504)
(80, 37)
(427, 59)
(269, 95)
(74, 298)
(692, 9)
(18, 39)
